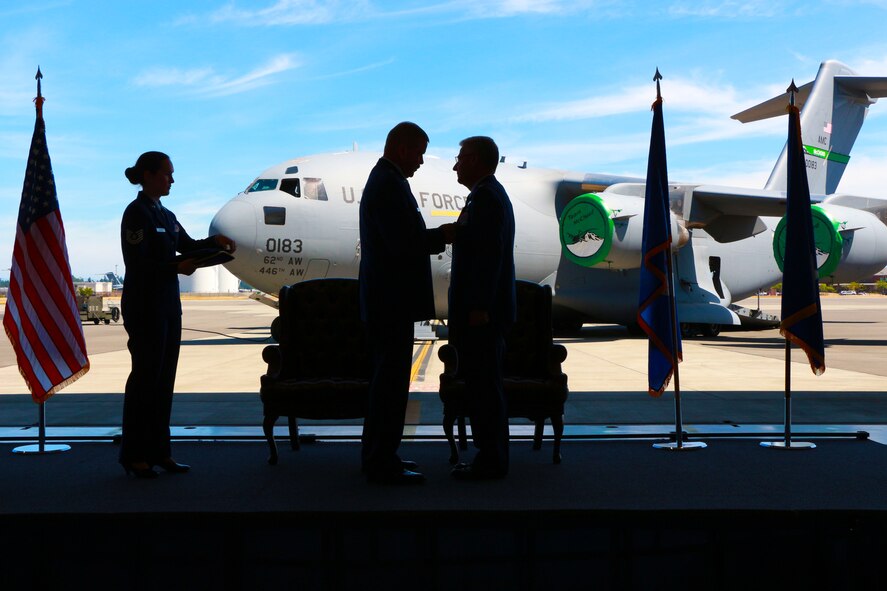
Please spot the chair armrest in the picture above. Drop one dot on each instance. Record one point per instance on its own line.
(272, 356)
(450, 358)
(556, 355)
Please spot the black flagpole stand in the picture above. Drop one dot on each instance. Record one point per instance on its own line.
(40, 447)
(678, 444)
(787, 442)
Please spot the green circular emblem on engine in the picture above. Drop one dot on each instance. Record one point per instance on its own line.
(586, 229)
(826, 237)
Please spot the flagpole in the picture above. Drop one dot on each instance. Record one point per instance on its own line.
(786, 443)
(678, 444)
(41, 446)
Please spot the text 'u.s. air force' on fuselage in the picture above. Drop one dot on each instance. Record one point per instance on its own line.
(581, 233)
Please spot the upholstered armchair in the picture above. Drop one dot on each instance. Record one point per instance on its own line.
(535, 386)
(321, 367)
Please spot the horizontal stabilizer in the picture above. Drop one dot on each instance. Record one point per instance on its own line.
(773, 107)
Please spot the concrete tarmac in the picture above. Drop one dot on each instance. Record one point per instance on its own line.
(735, 381)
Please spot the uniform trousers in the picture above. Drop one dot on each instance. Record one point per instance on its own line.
(481, 351)
(391, 348)
(147, 403)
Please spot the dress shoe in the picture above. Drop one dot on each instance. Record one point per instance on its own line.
(139, 470)
(404, 464)
(170, 465)
(474, 472)
(399, 478)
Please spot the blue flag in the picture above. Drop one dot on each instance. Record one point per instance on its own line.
(656, 311)
(801, 312)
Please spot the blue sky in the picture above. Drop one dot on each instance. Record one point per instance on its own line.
(229, 88)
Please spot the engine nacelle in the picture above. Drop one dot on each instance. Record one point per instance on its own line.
(850, 243)
(606, 231)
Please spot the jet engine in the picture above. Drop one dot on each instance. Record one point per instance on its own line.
(605, 231)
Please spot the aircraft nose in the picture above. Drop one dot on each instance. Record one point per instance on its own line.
(236, 220)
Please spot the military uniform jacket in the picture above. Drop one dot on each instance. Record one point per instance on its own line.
(482, 275)
(395, 245)
(150, 237)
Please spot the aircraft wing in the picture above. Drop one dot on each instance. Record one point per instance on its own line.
(728, 214)
(875, 205)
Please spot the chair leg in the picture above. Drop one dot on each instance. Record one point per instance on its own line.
(448, 421)
(557, 424)
(463, 434)
(268, 428)
(294, 432)
(537, 434)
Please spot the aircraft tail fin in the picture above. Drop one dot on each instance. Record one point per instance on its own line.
(833, 108)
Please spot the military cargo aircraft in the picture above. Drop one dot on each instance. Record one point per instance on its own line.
(581, 233)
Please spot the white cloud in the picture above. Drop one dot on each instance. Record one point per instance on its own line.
(292, 12)
(318, 12)
(206, 82)
(679, 95)
(729, 9)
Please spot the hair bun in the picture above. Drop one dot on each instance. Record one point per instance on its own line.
(131, 175)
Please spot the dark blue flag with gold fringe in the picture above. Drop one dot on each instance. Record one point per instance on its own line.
(656, 310)
(801, 310)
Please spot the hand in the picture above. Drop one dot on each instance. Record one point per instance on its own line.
(225, 243)
(186, 267)
(449, 233)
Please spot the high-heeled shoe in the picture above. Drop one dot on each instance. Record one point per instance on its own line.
(170, 465)
(138, 471)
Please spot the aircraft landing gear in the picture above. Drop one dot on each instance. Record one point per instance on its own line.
(710, 330)
(690, 330)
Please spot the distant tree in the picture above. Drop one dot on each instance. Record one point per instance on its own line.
(4, 282)
(84, 291)
(777, 288)
(77, 279)
(881, 286)
(826, 288)
(855, 286)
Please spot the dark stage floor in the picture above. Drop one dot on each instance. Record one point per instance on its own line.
(618, 513)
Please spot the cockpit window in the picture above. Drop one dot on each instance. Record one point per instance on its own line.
(275, 216)
(314, 189)
(291, 186)
(292, 170)
(263, 185)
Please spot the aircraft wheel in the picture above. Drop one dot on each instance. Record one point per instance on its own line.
(107, 321)
(95, 320)
(711, 330)
(115, 314)
(688, 331)
(275, 329)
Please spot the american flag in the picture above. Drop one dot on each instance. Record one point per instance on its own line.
(41, 317)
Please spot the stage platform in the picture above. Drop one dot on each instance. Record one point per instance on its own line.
(614, 515)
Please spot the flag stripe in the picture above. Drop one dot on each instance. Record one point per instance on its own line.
(27, 359)
(30, 342)
(41, 305)
(59, 288)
